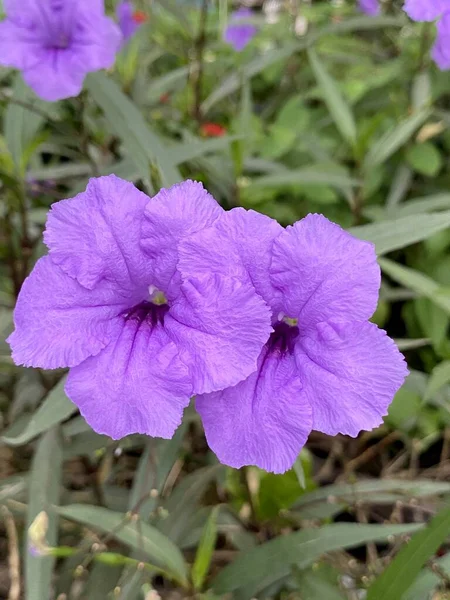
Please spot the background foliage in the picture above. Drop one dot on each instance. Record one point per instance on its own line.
(349, 119)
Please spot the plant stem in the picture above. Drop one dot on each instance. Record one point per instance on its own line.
(199, 49)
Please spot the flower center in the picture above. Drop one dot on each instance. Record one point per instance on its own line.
(282, 340)
(152, 311)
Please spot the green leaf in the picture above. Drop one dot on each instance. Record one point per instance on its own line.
(368, 490)
(392, 235)
(337, 106)
(416, 281)
(313, 587)
(403, 570)
(128, 123)
(184, 501)
(233, 82)
(55, 408)
(155, 464)
(139, 535)
(438, 378)
(259, 567)
(427, 204)
(21, 123)
(45, 481)
(394, 139)
(427, 581)
(307, 175)
(205, 550)
(425, 159)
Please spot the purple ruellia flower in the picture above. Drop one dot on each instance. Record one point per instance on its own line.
(430, 10)
(57, 42)
(370, 7)
(109, 302)
(239, 33)
(127, 22)
(325, 366)
(426, 10)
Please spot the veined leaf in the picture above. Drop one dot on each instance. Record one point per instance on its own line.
(261, 566)
(44, 492)
(392, 235)
(339, 109)
(127, 122)
(55, 408)
(403, 570)
(140, 536)
(418, 282)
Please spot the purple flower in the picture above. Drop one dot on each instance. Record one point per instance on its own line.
(237, 33)
(324, 366)
(127, 22)
(441, 49)
(57, 42)
(370, 7)
(425, 10)
(110, 303)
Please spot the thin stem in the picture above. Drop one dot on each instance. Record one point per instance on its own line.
(199, 50)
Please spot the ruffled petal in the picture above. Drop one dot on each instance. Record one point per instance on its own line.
(350, 373)
(263, 421)
(324, 272)
(137, 384)
(425, 10)
(172, 214)
(222, 324)
(58, 323)
(238, 244)
(96, 235)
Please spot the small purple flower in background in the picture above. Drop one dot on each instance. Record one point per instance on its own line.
(110, 303)
(370, 7)
(128, 22)
(55, 43)
(238, 33)
(430, 10)
(325, 366)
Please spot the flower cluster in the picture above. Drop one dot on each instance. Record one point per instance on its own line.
(430, 10)
(55, 43)
(370, 7)
(152, 301)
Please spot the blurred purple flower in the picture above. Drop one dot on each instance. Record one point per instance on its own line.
(127, 21)
(110, 303)
(57, 42)
(325, 366)
(237, 33)
(370, 7)
(441, 49)
(427, 10)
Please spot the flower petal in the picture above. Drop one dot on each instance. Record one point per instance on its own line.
(96, 235)
(238, 33)
(238, 244)
(172, 214)
(137, 384)
(223, 324)
(425, 10)
(441, 49)
(19, 47)
(324, 272)
(58, 322)
(350, 373)
(263, 421)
